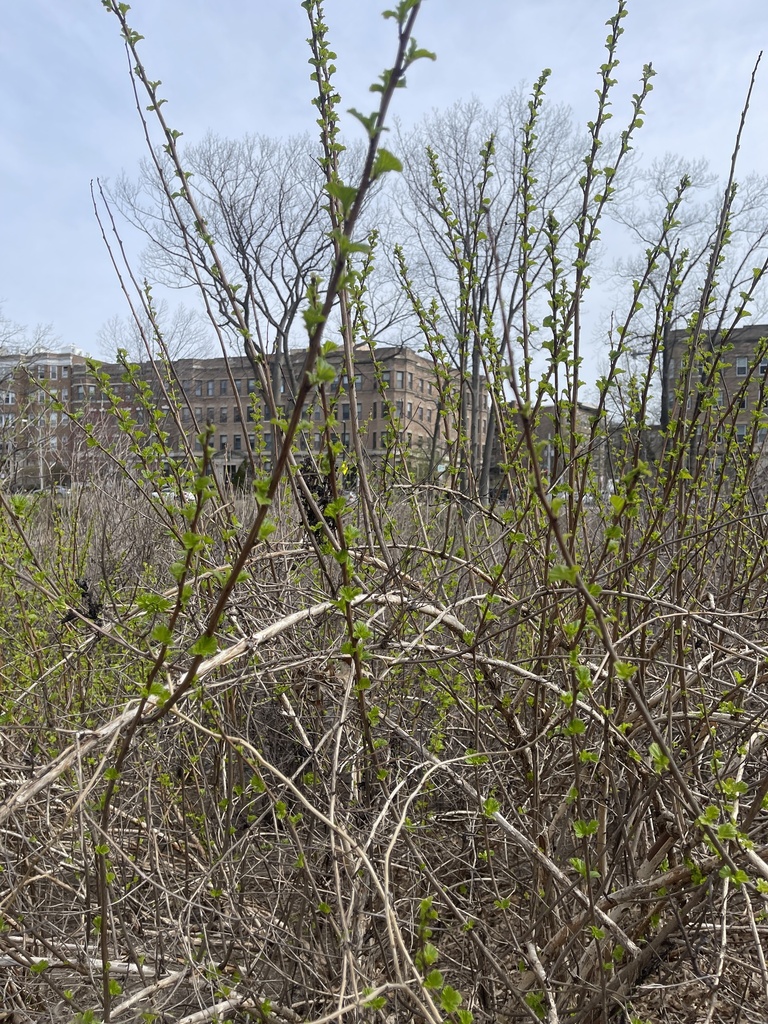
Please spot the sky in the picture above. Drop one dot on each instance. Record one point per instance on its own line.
(68, 116)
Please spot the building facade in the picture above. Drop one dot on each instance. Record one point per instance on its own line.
(54, 402)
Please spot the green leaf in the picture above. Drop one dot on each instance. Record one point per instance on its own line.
(450, 999)
(205, 647)
(346, 194)
(385, 162)
(161, 634)
(563, 573)
(434, 979)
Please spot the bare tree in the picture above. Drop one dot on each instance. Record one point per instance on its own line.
(675, 207)
(183, 332)
(481, 189)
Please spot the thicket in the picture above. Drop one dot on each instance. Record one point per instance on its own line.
(416, 755)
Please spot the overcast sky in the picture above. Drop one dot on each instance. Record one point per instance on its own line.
(237, 66)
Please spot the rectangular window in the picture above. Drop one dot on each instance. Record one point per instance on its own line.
(238, 441)
(198, 414)
(64, 394)
(359, 407)
(236, 415)
(223, 414)
(429, 388)
(209, 387)
(421, 413)
(399, 407)
(222, 441)
(210, 415)
(198, 388)
(763, 367)
(223, 386)
(400, 378)
(386, 378)
(345, 410)
(410, 380)
(742, 363)
(741, 432)
(252, 441)
(251, 386)
(238, 386)
(373, 441)
(429, 415)
(184, 414)
(373, 413)
(410, 409)
(421, 384)
(65, 371)
(742, 402)
(54, 372)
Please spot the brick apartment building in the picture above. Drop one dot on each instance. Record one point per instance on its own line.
(736, 374)
(49, 399)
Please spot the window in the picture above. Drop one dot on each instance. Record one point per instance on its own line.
(184, 414)
(421, 384)
(65, 394)
(741, 432)
(237, 442)
(410, 409)
(410, 380)
(762, 434)
(223, 386)
(373, 440)
(222, 442)
(421, 413)
(345, 411)
(373, 412)
(743, 401)
(210, 415)
(238, 386)
(198, 414)
(400, 378)
(209, 387)
(359, 407)
(223, 414)
(54, 372)
(386, 378)
(719, 398)
(64, 371)
(251, 386)
(429, 415)
(410, 437)
(236, 418)
(399, 407)
(429, 388)
(198, 388)
(741, 366)
(763, 367)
